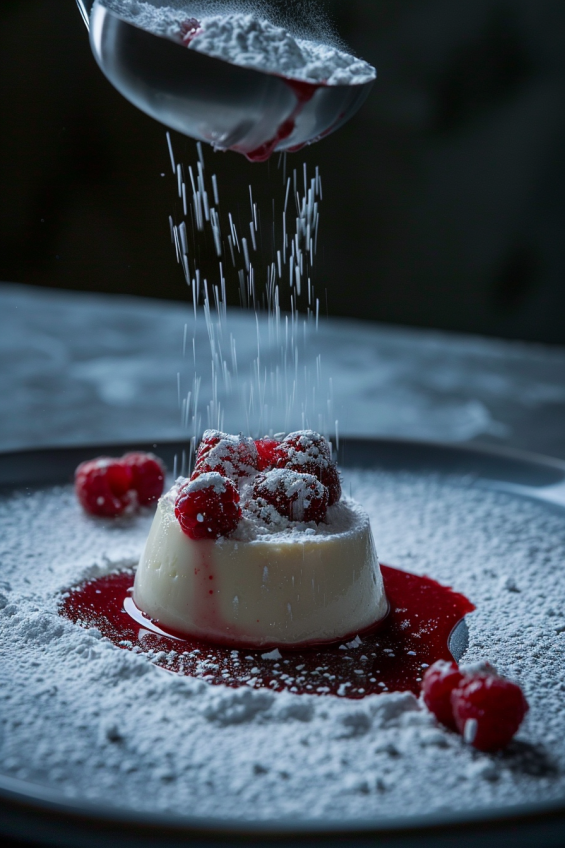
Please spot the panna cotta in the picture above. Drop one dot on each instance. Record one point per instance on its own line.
(283, 569)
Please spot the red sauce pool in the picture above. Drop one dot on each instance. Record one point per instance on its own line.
(391, 658)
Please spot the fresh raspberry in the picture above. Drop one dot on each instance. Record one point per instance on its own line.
(331, 480)
(210, 438)
(208, 507)
(103, 486)
(231, 456)
(300, 497)
(308, 452)
(303, 446)
(488, 710)
(148, 476)
(266, 453)
(189, 29)
(440, 680)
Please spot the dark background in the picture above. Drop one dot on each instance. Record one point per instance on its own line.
(444, 198)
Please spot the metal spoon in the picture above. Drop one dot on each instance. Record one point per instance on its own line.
(209, 99)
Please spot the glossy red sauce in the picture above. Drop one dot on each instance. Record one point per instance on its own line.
(391, 658)
(304, 92)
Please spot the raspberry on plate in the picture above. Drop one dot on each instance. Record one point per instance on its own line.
(266, 453)
(307, 451)
(297, 496)
(440, 680)
(208, 507)
(488, 710)
(231, 456)
(103, 486)
(148, 476)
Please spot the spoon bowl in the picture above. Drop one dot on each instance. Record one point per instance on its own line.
(229, 106)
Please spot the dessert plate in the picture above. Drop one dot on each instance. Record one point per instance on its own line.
(40, 814)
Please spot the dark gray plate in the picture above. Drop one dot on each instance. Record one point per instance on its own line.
(41, 815)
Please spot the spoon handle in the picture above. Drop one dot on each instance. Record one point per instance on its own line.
(84, 7)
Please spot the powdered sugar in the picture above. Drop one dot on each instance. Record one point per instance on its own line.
(248, 39)
(209, 480)
(100, 723)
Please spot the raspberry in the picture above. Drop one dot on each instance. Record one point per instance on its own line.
(331, 480)
(208, 507)
(308, 452)
(210, 439)
(189, 29)
(148, 476)
(303, 446)
(103, 486)
(300, 497)
(488, 710)
(266, 453)
(231, 456)
(440, 680)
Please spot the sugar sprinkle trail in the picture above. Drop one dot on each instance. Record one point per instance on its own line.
(281, 382)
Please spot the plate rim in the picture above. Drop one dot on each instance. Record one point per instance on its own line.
(20, 797)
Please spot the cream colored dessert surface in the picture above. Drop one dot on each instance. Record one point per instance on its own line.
(306, 583)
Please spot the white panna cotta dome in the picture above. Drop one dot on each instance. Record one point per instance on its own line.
(281, 585)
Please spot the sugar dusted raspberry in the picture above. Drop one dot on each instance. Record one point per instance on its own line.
(266, 453)
(208, 506)
(297, 496)
(440, 680)
(210, 438)
(303, 446)
(148, 476)
(103, 486)
(331, 480)
(488, 710)
(308, 452)
(231, 456)
(189, 29)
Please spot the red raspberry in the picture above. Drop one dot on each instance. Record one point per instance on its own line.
(488, 710)
(331, 480)
(189, 29)
(300, 497)
(266, 453)
(103, 486)
(308, 452)
(231, 456)
(148, 476)
(208, 507)
(440, 680)
(210, 439)
(303, 446)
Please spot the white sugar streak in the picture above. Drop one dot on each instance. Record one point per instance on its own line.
(278, 381)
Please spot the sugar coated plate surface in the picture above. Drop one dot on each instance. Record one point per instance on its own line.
(96, 741)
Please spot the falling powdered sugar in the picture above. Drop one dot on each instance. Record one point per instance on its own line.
(99, 723)
(251, 41)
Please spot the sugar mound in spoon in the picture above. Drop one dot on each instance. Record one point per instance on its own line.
(250, 41)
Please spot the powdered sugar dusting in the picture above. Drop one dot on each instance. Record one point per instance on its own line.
(250, 40)
(208, 480)
(102, 724)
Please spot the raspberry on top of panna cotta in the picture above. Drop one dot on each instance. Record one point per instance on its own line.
(258, 548)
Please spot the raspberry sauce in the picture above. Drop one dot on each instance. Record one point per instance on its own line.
(304, 92)
(391, 658)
